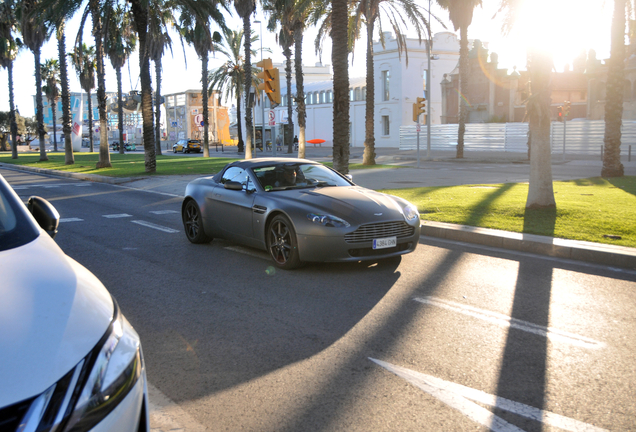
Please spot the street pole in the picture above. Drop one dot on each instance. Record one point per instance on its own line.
(260, 26)
(417, 128)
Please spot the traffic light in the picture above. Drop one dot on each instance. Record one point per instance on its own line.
(560, 114)
(566, 108)
(271, 80)
(419, 107)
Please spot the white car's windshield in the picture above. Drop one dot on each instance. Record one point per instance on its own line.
(285, 176)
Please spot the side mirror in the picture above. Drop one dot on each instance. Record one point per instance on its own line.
(349, 176)
(45, 214)
(233, 185)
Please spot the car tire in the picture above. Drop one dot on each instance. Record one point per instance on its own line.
(282, 244)
(193, 223)
(174, 149)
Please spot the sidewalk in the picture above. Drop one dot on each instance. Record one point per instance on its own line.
(442, 169)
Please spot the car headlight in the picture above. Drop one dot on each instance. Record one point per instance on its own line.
(410, 212)
(328, 220)
(97, 384)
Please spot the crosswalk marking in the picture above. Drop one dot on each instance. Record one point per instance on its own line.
(117, 216)
(155, 226)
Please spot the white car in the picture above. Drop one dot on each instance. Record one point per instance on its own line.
(69, 359)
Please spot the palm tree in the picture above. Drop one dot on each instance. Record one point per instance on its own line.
(158, 40)
(245, 8)
(540, 65)
(83, 60)
(58, 11)
(35, 34)
(229, 78)
(397, 12)
(461, 15)
(50, 76)
(139, 9)
(279, 12)
(340, 60)
(9, 46)
(612, 166)
(119, 43)
(195, 29)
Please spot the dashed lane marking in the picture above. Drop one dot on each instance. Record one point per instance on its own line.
(162, 212)
(63, 220)
(117, 216)
(155, 226)
(506, 321)
(465, 400)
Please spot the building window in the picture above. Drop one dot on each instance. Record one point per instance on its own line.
(351, 95)
(385, 85)
(322, 97)
(357, 94)
(316, 98)
(385, 126)
(364, 93)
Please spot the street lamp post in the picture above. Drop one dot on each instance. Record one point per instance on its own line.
(428, 86)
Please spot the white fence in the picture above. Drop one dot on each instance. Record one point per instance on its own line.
(581, 137)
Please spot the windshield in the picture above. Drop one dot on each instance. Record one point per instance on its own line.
(16, 227)
(284, 176)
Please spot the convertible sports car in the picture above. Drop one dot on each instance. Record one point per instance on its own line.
(299, 211)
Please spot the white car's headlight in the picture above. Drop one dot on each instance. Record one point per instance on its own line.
(410, 212)
(89, 392)
(328, 220)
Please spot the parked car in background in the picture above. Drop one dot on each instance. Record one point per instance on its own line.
(70, 361)
(187, 146)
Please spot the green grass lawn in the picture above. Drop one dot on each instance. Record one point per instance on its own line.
(587, 209)
(126, 165)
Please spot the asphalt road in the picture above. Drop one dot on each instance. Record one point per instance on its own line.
(452, 337)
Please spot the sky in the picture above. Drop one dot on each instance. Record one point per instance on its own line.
(562, 27)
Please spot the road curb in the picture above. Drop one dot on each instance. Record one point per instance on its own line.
(598, 253)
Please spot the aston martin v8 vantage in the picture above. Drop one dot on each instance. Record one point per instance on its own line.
(299, 211)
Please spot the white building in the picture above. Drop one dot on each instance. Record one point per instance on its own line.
(397, 84)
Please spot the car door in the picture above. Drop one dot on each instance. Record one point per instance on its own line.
(234, 207)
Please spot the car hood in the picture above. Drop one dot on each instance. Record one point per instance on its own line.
(354, 203)
(53, 312)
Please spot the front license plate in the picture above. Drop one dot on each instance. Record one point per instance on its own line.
(384, 243)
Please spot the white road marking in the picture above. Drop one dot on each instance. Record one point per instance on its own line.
(154, 226)
(50, 185)
(162, 212)
(71, 220)
(459, 397)
(117, 216)
(166, 416)
(506, 321)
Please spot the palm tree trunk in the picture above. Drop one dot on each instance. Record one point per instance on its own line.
(104, 154)
(158, 105)
(90, 121)
(40, 106)
(239, 128)
(204, 99)
(300, 90)
(339, 58)
(612, 166)
(289, 132)
(14, 123)
(463, 89)
(120, 111)
(69, 158)
(140, 14)
(53, 112)
(248, 85)
(369, 139)
(540, 192)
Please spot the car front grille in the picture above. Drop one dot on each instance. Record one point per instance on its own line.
(367, 233)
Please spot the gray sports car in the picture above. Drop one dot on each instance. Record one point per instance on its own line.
(299, 211)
